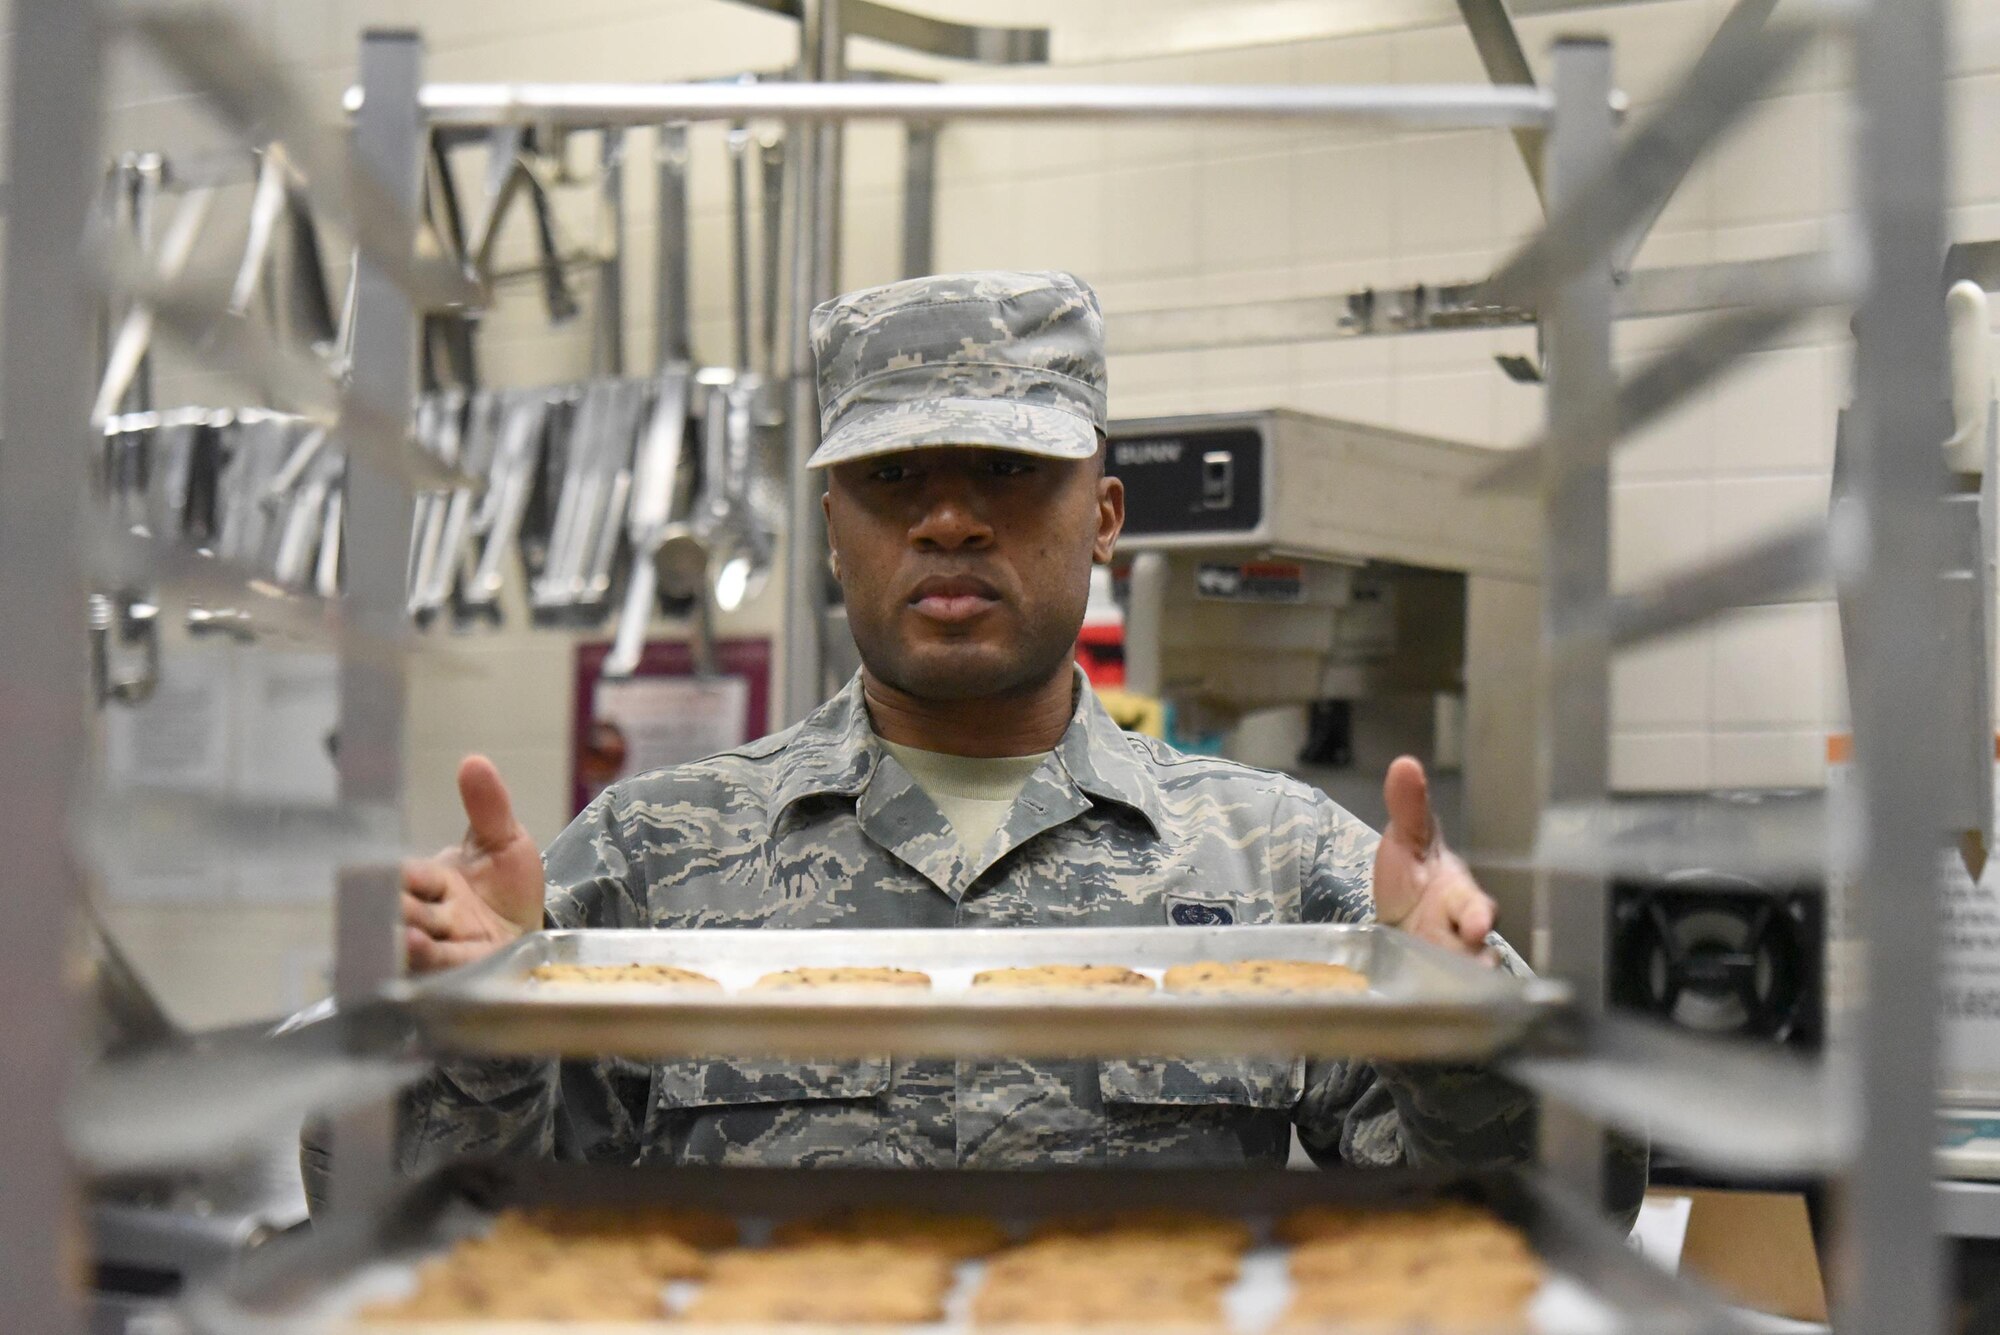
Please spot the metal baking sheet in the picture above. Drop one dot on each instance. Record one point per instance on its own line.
(1421, 1004)
(318, 1285)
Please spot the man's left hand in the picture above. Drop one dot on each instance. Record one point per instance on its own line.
(1421, 886)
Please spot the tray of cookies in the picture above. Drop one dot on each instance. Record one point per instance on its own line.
(1207, 1252)
(1282, 989)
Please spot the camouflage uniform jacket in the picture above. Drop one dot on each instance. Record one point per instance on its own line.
(818, 826)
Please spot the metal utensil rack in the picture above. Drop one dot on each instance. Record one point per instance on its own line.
(1598, 192)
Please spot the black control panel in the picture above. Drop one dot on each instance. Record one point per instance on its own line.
(1204, 480)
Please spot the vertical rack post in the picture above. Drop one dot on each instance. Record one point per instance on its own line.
(1576, 556)
(1890, 1278)
(45, 360)
(607, 344)
(920, 150)
(388, 136)
(670, 313)
(814, 169)
(824, 38)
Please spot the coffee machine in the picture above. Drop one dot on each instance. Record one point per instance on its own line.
(1278, 558)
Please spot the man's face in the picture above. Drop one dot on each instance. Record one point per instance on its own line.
(966, 569)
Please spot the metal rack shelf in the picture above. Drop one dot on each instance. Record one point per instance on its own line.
(1421, 1004)
(315, 1289)
(1969, 1209)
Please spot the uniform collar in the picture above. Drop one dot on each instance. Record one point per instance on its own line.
(832, 753)
(835, 753)
(1102, 760)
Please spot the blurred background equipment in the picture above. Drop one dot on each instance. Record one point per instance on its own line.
(1275, 559)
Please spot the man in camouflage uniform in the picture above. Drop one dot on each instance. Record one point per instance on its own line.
(963, 420)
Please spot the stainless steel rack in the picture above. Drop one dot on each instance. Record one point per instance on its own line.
(1598, 192)
(316, 1289)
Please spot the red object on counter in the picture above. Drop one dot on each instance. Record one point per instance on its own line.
(1101, 651)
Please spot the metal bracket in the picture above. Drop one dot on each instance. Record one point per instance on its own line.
(1506, 64)
(932, 36)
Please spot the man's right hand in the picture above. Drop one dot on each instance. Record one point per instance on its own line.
(469, 901)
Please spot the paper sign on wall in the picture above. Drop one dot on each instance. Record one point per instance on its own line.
(232, 721)
(666, 721)
(1969, 976)
(666, 713)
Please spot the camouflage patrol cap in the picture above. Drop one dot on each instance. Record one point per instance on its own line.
(1013, 360)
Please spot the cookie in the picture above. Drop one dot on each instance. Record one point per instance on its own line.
(1264, 976)
(1094, 977)
(704, 1230)
(995, 1308)
(957, 1237)
(1108, 1297)
(845, 975)
(1312, 1222)
(863, 1304)
(1339, 1259)
(824, 1283)
(1059, 1262)
(832, 1264)
(1446, 1266)
(502, 1282)
(659, 975)
(1488, 1303)
(607, 1238)
(1156, 1224)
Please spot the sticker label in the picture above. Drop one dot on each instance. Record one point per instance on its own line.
(1128, 453)
(1251, 582)
(1183, 911)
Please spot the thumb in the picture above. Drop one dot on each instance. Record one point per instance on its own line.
(1407, 795)
(489, 812)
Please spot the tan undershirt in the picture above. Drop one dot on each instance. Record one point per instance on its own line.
(975, 793)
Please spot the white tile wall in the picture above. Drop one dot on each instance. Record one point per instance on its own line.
(1344, 211)
(1766, 673)
(1774, 167)
(1345, 208)
(1658, 529)
(1670, 760)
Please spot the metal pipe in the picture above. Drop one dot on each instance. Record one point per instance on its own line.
(827, 42)
(671, 341)
(1891, 1278)
(804, 663)
(45, 372)
(771, 205)
(1718, 93)
(1406, 106)
(920, 146)
(1507, 65)
(738, 143)
(803, 644)
(215, 53)
(1743, 19)
(388, 148)
(1582, 400)
(1818, 278)
(608, 333)
(144, 174)
(1713, 348)
(932, 36)
(1735, 1107)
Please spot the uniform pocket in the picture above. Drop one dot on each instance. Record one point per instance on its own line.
(1244, 1082)
(771, 1113)
(710, 1082)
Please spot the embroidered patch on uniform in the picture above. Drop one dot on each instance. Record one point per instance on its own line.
(1184, 911)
